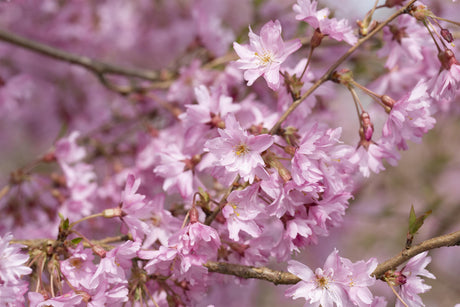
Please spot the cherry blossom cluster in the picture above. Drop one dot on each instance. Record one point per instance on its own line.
(238, 161)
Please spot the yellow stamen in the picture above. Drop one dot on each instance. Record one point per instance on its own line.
(322, 281)
(266, 58)
(241, 149)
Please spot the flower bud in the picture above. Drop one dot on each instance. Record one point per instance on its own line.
(447, 35)
(368, 127)
(193, 215)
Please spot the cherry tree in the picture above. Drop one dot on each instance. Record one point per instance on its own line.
(184, 153)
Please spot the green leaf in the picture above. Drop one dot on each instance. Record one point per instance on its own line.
(415, 222)
(65, 224)
(412, 218)
(76, 240)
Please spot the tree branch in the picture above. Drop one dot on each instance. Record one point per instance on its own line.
(99, 68)
(286, 278)
(276, 277)
(334, 66)
(437, 242)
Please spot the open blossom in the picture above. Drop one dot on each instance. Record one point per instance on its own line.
(238, 151)
(133, 207)
(409, 118)
(339, 282)
(336, 29)
(371, 158)
(68, 299)
(410, 282)
(265, 54)
(12, 287)
(446, 84)
(403, 42)
(187, 251)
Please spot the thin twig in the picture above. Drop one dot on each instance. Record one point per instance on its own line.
(99, 68)
(334, 66)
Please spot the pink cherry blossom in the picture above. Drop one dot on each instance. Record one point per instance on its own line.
(336, 29)
(340, 282)
(12, 261)
(133, 206)
(67, 299)
(238, 151)
(411, 282)
(404, 42)
(241, 211)
(410, 118)
(324, 286)
(12, 268)
(447, 83)
(265, 54)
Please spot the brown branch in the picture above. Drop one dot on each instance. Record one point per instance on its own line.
(286, 278)
(105, 243)
(437, 242)
(334, 66)
(99, 68)
(276, 277)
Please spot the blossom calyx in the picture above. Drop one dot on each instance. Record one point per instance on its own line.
(447, 59)
(113, 212)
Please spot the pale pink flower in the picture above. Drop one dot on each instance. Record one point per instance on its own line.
(447, 83)
(336, 29)
(68, 299)
(410, 118)
(322, 287)
(12, 261)
(411, 283)
(340, 283)
(79, 268)
(403, 42)
(265, 54)
(371, 158)
(359, 279)
(196, 244)
(133, 207)
(112, 267)
(241, 210)
(238, 151)
(12, 268)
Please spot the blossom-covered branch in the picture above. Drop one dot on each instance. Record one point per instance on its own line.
(450, 239)
(334, 66)
(286, 278)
